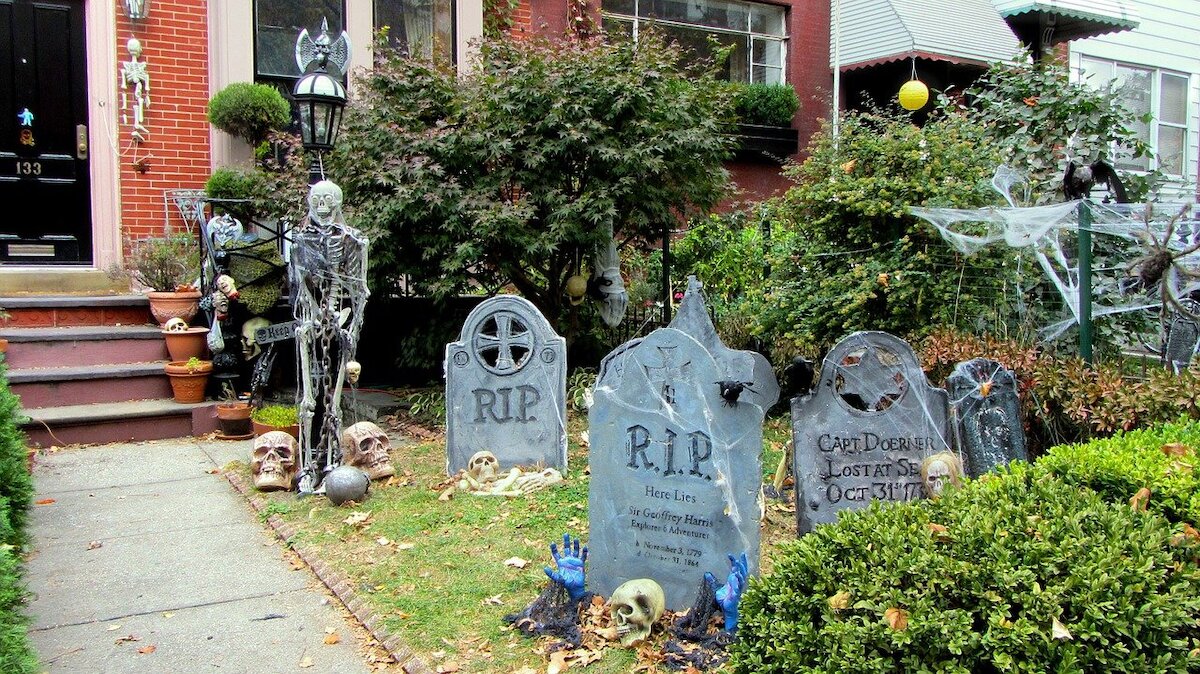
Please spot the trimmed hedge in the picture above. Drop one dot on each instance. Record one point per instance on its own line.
(16, 496)
(16, 653)
(978, 581)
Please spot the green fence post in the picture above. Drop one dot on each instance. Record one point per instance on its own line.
(1085, 281)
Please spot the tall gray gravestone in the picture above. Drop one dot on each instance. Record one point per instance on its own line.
(676, 469)
(986, 412)
(506, 383)
(863, 432)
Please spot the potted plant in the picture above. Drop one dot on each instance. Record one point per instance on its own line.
(169, 266)
(249, 111)
(189, 379)
(276, 418)
(233, 416)
(184, 341)
(765, 113)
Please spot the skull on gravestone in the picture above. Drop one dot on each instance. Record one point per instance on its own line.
(939, 471)
(483, 467)
(366, 447)
(274, 461)
(636, 606)
(250, 346)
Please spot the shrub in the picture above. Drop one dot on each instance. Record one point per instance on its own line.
(16, 484)
(980, 580)
(16, 653)
(766, 104)
(233, 183)
(166, 263)
(249, 111)
(276, 415)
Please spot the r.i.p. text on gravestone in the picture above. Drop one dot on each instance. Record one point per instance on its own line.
(864, 431)
(676, 469)
(986, 412)
(506, 384)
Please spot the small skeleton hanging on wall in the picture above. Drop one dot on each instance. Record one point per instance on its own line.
(133, 74)
(328, 275)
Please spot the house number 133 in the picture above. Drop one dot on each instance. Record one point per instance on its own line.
(29, 168)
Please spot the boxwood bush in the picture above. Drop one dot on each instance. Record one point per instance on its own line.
(16, 494)
(1016, 572)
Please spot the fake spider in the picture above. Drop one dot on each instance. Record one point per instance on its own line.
(1164, 266)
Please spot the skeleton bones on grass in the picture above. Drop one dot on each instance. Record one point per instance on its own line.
(483, 477)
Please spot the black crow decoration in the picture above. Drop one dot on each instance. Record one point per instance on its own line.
(1078, 181)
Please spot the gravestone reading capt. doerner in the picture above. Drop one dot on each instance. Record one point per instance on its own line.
(676, 466)
(506, 384)
(983, 399)
(864, 431)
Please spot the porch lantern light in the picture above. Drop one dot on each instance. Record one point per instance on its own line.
(321, 99)
(914, 95)
(136, 9)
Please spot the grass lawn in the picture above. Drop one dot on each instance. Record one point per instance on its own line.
(441, 573)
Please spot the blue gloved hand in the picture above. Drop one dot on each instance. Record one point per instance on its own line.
(570, 563)
(729, 595)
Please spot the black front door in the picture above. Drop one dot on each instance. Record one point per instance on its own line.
(44, 179)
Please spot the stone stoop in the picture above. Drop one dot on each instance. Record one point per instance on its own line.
(90, 370)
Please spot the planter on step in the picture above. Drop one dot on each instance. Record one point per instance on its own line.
(234, 421)
(167, 305)
(190, 343)
(276, 418)
(189, 379)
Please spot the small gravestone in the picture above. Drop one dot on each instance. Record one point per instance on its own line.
(506, 385)
(864, 431)
(676, 468)
(986, 413)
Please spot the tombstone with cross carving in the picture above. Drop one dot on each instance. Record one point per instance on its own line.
(506, 384)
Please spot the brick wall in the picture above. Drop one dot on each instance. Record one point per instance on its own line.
(176, 156)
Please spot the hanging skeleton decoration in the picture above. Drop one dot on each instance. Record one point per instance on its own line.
(328, 269)
(606, 286)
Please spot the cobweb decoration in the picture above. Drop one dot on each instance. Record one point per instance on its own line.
(1043, 230)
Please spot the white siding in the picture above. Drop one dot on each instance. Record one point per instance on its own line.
(1168, 38)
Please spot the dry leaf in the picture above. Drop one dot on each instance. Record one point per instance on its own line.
(168, 614)
(896, 618)
(447, 494)
(939, 531)
(128, 637)
(1140, 500)
(306, 662)
(94, 544)
(44, 501)
(1060, 631)
(448, 668)
(213, 471)
(383, 541)
(1175, 449)
(331, 639)
(405, 546)
(558, 662)
(840, 601)
(113, 628)
(516, 562)
(297, 564)
(357, 518)
(147, 650)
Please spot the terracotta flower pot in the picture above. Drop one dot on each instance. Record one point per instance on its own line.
(165, 306)
(234, 420)
(190, 344)
(261, 429)
(188, 385)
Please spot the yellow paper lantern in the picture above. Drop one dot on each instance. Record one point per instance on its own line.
(914, 95)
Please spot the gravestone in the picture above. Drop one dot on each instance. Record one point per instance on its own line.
(676, 469)
(986, 413)
(863, 432)
(506, 383)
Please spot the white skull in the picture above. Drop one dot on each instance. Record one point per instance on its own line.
(228, 286)
(366, 447)
(939, 471)
(176, 325)
(274, 461)
(325, 202)
(636, 606)
(353, 371)
(250, 346)
(483, 466)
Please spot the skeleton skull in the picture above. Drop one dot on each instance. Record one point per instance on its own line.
(366, 447)
(250, 346)
(940, 470)
(227, 285)
(353, 371)
(176, 325)
(636, 606)
(483, 467)
(274, 461)
(325, 202)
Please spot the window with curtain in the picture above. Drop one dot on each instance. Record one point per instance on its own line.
(755, 32)
(1162, 94)
(423, 28)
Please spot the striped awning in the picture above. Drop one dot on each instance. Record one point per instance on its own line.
(1063, 20)
(871, 32)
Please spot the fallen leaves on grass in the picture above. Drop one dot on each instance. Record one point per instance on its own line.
(358, 518)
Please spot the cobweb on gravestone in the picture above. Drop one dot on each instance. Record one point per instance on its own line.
(1048, 232)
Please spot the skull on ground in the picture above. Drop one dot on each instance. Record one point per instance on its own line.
(366, 447)
(274, 461)
(483, 467)
(636, 605)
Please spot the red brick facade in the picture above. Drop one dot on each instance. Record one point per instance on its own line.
(176, 156)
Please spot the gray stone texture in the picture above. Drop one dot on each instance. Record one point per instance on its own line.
(676, 471)
(987, 415)
(506, 380)
(862, 433)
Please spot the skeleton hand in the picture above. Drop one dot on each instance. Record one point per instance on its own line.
(570, 573)
(730, 594)
(531, 482)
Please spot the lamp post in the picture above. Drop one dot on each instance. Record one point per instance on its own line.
(320, 97)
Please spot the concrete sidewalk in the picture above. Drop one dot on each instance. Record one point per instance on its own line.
(182, 565)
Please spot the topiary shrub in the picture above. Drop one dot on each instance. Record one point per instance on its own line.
(765, 104)
(1017, 572)
(16, 484)
(249, 111)
(16, 653)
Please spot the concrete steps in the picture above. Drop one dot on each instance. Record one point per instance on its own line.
(90, 370)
